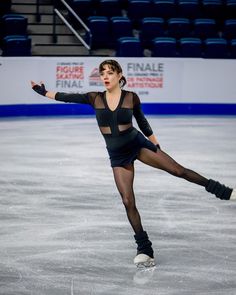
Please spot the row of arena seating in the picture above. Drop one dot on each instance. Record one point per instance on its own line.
(106, 31)
(138, 9)
(132, 47)
(184, 47)
(109, 32)
(14, 39)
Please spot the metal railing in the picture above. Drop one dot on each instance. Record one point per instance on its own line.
(38, 16)
(70, 27)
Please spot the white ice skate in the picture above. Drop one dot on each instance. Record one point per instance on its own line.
(233, 195)
(143, 260)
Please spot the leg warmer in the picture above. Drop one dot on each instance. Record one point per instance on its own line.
(144, 245)
(220, 190)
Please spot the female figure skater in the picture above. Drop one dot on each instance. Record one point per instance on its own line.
(114, 109)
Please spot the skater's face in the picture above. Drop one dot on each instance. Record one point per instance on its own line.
(110, 78)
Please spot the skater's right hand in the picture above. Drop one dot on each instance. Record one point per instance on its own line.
(40, 89)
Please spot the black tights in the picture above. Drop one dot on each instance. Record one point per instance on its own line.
(124, 177)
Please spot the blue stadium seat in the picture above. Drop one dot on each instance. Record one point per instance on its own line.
(212, 9)
(233, 48)
(216, 48)
(124, 4)
(230, 9)
(179, 27)
(205, 28)
(229, 30)
(151, 27)
(138, 9)
(121, 26)
(129, 47)
(164, 8)
(14, 24)
(5, 7)
(84, 8)
(16, 46)
(164, 47)
(190, 47)
(109, 8)
(100, 30)
(189, 8)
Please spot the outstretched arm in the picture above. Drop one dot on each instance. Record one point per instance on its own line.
(84, 98)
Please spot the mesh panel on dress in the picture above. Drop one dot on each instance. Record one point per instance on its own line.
(105, 130)
(124, 127)
(98, 102)
(128, 101)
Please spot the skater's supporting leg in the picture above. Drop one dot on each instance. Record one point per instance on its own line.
(144, 257)
(144, 244)
(124, 177)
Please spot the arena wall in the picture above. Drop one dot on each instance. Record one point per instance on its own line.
(165, 85)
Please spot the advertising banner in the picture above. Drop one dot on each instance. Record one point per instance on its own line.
(155, 80)
(152, 79)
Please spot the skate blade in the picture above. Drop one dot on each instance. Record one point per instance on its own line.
(146, 264)
(233, 195)
(143, 276)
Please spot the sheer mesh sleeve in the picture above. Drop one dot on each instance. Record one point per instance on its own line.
(140, 118)
(84, 98)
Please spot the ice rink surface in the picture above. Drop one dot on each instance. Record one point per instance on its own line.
(64, 230)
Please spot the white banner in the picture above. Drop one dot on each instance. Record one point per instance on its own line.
(153, 79)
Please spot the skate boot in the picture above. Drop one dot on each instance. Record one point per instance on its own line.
(233, 195)
(144, 257)
(220, 190)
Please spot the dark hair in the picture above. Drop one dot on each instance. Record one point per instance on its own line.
(115, 66)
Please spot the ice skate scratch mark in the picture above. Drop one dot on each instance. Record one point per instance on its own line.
(72, 287)
(169, 221)
(209, 252)
(215, 208)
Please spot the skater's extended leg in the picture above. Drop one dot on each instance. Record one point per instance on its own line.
(163, 161)
(220, 190)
